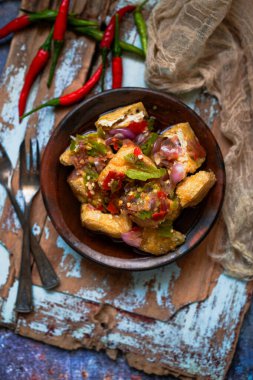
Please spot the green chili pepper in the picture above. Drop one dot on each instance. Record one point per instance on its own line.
(97, 35)
(145, 175)
(141, 26)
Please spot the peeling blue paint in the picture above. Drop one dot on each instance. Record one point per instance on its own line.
(5, 265)
(36, 230)
(47, 232)
(184, 330)
(8, 315)
(71, 63)
(70, 261)
(159, 281)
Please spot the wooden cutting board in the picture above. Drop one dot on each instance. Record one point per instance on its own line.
(183, 318)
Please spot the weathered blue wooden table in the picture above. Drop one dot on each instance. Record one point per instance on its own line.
(22, 358)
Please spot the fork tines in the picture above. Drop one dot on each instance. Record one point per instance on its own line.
(29, 160)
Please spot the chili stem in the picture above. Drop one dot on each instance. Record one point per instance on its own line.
(104, 62)
(108, 37)
(97, 35)
(73, 97)
(58, 45)
(141, 5)
(60, 27)
(51, 103)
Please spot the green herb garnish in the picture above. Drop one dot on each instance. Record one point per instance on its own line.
(96, 147)
(73, 145)
(101, 133)
(90, 172)
(84, 137)
(148, 145)
(130, 158)
(166, 229)
(143, 215)
(145, 175)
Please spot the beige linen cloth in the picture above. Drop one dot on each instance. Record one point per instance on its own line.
(196, 43)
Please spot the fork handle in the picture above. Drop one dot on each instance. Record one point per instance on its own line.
(24, 303)
(48, 276)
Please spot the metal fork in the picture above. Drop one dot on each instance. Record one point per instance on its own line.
(48, 276)
(29, 184)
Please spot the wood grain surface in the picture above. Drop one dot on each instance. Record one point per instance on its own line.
(182, 319)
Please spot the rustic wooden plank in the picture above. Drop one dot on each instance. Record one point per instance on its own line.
(197, 342)
(155, 293)
(75, 60)
(190, 344)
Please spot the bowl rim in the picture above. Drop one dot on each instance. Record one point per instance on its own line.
(145, 262)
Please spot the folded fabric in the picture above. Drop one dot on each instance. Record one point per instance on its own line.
(198, 43)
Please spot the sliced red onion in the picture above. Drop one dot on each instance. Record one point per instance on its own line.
(141, 138)
(124, 131)
(157, 158)
(110, 140)
(171, 153)
(177, 172)
(157, 145)
(132, 238)
(168, 188)
(119, 136)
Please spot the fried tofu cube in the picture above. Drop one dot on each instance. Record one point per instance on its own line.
(193, 189)
(193, 154)
(112, 225)
(122, 117)
(153, 243)
(76, 182)
(118, 163)
(66, 158)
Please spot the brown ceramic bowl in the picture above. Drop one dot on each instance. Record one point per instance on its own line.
(64, 209)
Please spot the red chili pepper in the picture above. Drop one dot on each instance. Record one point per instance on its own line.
(117, 72)
(15, 25)
(137, 151)
(159, 215)
(108, 36)
(117, 68)
(60, 27)
(161, 194)
(115, 144)
(37, 65)
(138, 127)
(112, 175)
(49, 15)
(112, 208)
(73, 97)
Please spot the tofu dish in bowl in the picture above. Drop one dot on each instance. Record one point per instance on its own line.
(133, 181)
